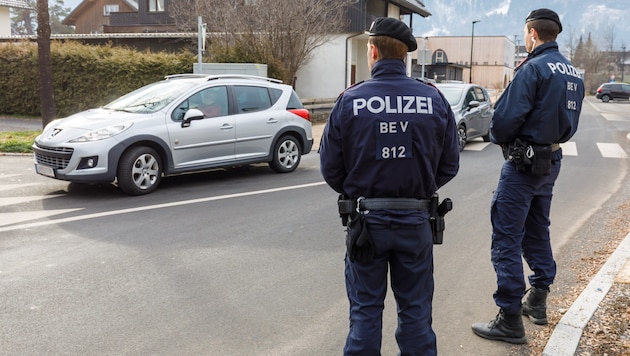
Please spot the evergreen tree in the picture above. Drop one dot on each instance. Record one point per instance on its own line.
(24, 21)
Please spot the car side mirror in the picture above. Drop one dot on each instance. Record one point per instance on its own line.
(192, 114)
(473, 104)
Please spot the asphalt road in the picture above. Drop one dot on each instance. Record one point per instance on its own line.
(249, 262)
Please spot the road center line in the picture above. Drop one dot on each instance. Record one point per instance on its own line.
(153, 207)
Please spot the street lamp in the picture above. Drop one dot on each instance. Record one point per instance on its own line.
(623, 61)
(472, 40)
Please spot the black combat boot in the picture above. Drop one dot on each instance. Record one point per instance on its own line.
(535, 305)
(506, 327)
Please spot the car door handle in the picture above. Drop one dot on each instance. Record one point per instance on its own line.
(272, 121)
(227, 127)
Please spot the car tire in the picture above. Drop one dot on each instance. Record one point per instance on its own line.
(605, 98)
(286, 154)
(461, 137)
(139, 171)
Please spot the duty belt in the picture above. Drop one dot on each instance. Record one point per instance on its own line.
(349, 206)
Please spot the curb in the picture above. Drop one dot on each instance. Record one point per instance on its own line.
(566, 336)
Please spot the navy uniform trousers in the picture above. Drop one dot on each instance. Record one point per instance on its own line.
(408, 251)
(520, 227)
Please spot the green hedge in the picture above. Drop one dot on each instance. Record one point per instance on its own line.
(83, 76)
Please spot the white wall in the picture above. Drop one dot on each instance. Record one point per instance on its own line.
(5, 22)
(324, 76)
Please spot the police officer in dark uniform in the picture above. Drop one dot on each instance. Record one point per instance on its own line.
(539, 110)
(390, 142)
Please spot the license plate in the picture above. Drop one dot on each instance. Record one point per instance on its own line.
(44, 170)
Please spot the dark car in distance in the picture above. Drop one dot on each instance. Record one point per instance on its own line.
(611, 91)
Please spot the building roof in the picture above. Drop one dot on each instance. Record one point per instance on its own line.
(18, 4)
(80, 36)
(413, 5)
(71, 19)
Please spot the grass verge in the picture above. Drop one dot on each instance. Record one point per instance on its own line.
(17, 141)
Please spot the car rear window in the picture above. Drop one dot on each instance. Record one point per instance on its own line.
(294, 102)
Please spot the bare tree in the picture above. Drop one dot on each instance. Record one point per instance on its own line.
(44, 63)
(608, 36)
(571, 42)
(282, 31)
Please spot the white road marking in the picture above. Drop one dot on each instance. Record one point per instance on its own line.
(18, 217)
(476, 146)
(153, 207)
(19, 200)
(15, 186)
(611, 150)
(569, 149)
(614, 117)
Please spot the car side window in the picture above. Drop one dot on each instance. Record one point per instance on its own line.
(470, 96)
(251, 98)
(481, 97)
(211, 101)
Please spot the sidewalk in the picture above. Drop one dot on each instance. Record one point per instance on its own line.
(567, 334)
(17, 124)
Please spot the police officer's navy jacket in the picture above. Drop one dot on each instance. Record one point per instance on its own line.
(529, 108)
(389, 137)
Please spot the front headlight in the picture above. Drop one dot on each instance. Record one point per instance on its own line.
(103, 133)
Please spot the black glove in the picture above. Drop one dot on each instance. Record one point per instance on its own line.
(358, 242)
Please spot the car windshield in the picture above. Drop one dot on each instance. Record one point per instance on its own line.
(452, 94)
(152, 97)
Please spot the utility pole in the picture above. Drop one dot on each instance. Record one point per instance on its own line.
(472, 41)
(424, 53)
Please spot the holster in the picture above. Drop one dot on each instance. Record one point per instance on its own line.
(529, 158)
(437, 212)
(359, 245)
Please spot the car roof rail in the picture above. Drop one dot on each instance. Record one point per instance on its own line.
(243, 76)
(185, 75)
(222, 76)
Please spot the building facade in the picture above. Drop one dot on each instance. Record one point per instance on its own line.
(121, 16)
(448, 58)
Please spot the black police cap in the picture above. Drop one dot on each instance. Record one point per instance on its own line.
(388, 26)
(544, 14)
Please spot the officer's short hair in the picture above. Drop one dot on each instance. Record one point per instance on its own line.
(389, 47)
(547, 29)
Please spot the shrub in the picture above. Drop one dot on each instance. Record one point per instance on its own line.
(83, 76)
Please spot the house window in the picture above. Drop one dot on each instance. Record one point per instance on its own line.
(156, 5)
(107, 9)
(439, 56)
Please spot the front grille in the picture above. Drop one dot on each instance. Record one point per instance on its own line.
(56, 157)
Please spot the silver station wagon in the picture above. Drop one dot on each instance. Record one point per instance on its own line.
(182, 124)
